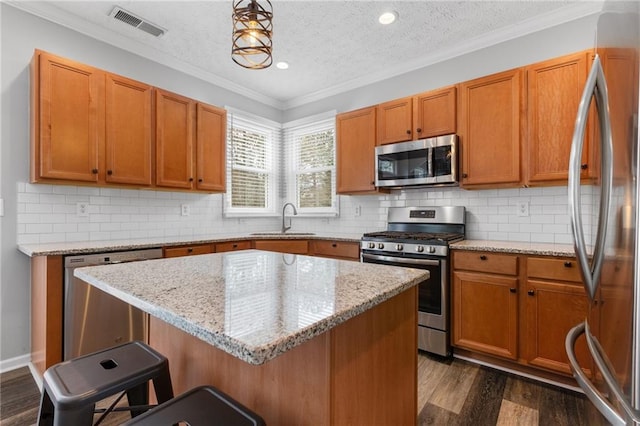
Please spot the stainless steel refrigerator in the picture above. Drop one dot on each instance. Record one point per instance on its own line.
(604, 219)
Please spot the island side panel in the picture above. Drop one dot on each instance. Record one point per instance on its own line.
(374, 365)
(291, 389)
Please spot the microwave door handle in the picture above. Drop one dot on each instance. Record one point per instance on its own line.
(430, 154)
(595, 87)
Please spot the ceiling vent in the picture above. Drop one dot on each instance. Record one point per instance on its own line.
(129, 18)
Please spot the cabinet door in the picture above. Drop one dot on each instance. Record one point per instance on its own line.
(554, 91)
(174, 140)
(355, 151)
(71, 120)
(211, 133)
(490, 129)
(485, 313)
(129, 136)
(283, 246)
(435, 113)
(551, 310)
(394, 121)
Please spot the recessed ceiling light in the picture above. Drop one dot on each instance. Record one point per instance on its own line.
(388, 17)
(282, 65)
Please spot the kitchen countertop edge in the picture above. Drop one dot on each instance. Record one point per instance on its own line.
(514, 247)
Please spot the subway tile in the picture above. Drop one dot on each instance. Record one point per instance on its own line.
(65, 227)
(38, 188)
(99, 200)
(77, 236)
(38, 208)
(38, 228)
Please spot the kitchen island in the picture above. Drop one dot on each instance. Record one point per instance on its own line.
(298, 339)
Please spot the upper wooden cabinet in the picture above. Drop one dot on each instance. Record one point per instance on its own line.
(355, 151)
(554, 89)
(128, 136)
(211, 133)
(67, 119)
(421, 116)
(434, 113)
(394, 121)
(490, 128)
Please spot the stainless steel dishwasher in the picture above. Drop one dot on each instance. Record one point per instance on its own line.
(93, 319)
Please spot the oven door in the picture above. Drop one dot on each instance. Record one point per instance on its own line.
(433, 293)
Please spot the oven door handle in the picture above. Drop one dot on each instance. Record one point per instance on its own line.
(408, 261)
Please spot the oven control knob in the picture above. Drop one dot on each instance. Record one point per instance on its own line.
(371, 245)
(419, 249)
(380, 246)
(399, 247)
(432, 249)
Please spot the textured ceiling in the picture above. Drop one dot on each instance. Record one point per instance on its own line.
(330, 45)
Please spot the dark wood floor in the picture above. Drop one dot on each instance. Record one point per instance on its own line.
(450, 392)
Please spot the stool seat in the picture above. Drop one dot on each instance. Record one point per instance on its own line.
(71, 388)
(204, 405)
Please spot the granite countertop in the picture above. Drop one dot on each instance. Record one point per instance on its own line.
(542, 249)
(252, 304)
(86, 247)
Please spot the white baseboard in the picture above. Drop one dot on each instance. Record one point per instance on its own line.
(13, 363)
(36, 376)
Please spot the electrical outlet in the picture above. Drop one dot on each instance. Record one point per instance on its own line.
(523, 208)
(185, 210)
(82, 209)
(357, 211)
(1, 207)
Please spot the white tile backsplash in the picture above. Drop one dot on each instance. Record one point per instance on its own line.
(47, 213)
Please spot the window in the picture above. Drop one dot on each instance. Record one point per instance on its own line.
(251, 166)
(310, 154)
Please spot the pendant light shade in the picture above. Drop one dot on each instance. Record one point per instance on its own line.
(252, 31)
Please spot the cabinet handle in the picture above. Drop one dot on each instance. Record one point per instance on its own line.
(531, 292)
(512, 289)
(483, 257)
(235, 246)
(109, 172)
(584, 166)
(334, 245)
(200, 180)
(419, 130)
(408, 132)
(464, 175)
(94, 171)
(373, 182)
(190, 179)
(189, 250)
(568, 264)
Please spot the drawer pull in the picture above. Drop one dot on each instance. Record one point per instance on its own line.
(568, 264)
(531, 292)
(483, 257)
(334, 245)
(235, 246)
(512, 289)
(189, 250)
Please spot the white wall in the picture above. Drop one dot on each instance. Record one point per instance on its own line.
(39, 213)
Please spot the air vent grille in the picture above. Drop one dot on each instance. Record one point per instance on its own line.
(135, 21)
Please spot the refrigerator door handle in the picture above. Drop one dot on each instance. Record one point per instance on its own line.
(596, 86)
(589, 389)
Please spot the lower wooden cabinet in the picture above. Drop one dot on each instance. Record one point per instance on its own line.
(283, 246)
(187, 250)
(335, 249)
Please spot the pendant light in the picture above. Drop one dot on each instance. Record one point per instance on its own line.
(252, 30)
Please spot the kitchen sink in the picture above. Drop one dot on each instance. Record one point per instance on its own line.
(283, 233)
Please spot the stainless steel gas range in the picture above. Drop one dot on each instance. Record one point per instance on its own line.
(419, 237)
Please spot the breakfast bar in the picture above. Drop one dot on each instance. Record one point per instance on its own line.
(298, 339)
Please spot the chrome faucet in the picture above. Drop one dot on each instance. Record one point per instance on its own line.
(295, 212)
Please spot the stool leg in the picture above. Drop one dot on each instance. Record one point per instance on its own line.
(162, 385)
(138, 395)
(78, 417)
(45, 413)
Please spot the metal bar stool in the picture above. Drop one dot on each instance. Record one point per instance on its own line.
(72, 388)
(201, 406)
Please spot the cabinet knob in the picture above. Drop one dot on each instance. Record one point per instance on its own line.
(373, 182)
(200, 180)
(408, 132)
(483, 257)
(189, 250)
(94, 171)
(531, 292)
(464, 175)
(512, 289)
(109, 172)
(568, 264)
(190, 179)
(235, 246)
(419, 130)
(584, 166)
(334, 245)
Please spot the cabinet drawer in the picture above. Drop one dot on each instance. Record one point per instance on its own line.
(188, 250)
(565, 269)
(283, 246)
(336, 249)
(486, 262)
(233, 246)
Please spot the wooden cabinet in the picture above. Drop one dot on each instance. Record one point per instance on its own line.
(67, 119)
(232, 246)
(489, 128)
(283, 246)
(555, 302)
(434, 113)
(485, 305)
(355, 151)
(335, 249)
(554, 89)
(187, 250)
(211, 133)
(394, 121)
(128, 131)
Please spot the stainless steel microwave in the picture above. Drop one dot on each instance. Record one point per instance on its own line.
(432, 161)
